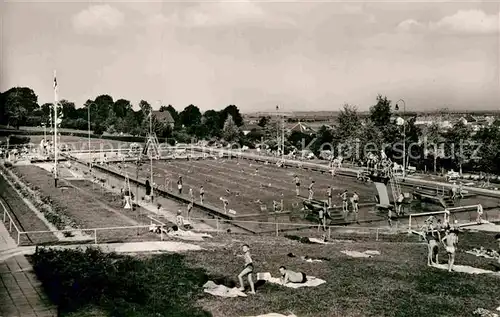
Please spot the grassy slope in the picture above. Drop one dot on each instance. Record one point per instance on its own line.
(396, 283)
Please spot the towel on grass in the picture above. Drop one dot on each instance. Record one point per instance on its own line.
(481, 255)
(274, 315)
(311, 281)
(188, 235)
(223, 291)
(365, 254)
(464, 269)
(315, 240)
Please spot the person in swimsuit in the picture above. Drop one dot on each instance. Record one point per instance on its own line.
(179, 220)
(202, 194)
(247, 271)
(355, 207)
(297, 185)
(311, 191)
(433, 250)
(288, 276)
(345, 206)
(322, 218)
(450, 242)
(179, 185)
(479, 218)
(191, 195)
(329, 195)
(189, 209)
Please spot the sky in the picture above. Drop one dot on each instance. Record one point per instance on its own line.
(302, 55)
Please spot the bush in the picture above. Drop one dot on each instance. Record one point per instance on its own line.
(120, 285)
(15, 140)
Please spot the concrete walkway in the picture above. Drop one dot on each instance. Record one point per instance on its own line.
(20, 291)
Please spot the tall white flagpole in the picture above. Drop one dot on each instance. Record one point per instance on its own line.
(55, 128)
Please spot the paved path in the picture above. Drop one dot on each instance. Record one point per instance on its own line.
(20, 291)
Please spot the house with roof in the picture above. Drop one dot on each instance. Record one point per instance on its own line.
(164, 117)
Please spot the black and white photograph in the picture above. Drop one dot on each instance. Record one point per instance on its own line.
(249, 158)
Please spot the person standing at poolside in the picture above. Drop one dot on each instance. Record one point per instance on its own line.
(179, 185)
(355, 207)
(311, 190)
(450, 242)
(202, 194)
(345, 206)
(329, 195)
(191, 195)
(297, 185)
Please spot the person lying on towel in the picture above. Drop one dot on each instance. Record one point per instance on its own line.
(288, 276)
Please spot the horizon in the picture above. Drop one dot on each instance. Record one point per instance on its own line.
(257, 54)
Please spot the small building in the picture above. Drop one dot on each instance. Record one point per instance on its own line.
(164, 117)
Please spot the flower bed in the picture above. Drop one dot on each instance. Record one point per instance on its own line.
(53, 213)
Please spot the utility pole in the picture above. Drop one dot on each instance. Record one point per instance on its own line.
(55, 129)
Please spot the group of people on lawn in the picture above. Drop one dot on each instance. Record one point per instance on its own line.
(286, 275)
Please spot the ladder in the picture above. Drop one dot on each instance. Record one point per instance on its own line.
(152, 147)
(396, 189)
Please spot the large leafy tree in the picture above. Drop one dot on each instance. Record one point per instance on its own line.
(17, 103)
(381, 115)
(232, 111)
(210, 122)
(457, 145)
(347, 130)
(190, 116)
(432, 134)
(121, 107)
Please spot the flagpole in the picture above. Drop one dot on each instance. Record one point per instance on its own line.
(151, 153)
(55, 128)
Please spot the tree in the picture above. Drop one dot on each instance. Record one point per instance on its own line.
(190, 116)
(324, 140)
(263, 121)
(230, 132)
(121, 107)
(17, 103)
(457, 144)
(348, 128)
(145, 107)
(210, 121)
(103, 105)
(68, 109)
(432, 134)
(380, 115)
(489, 152)
(232, 111)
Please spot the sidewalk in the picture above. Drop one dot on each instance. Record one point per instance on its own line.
(20, 291)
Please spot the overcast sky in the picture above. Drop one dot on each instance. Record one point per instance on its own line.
(302, 55)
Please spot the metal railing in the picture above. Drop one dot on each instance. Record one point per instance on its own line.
(12, 224)
(472, 208)
(218, 223)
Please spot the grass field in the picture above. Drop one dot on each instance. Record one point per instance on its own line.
(395, 283)
(87, 204)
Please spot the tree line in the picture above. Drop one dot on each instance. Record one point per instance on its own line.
(19, 107)
(429, 148)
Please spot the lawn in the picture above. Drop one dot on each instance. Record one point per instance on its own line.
(395, 283)
(24, 217)
(87, 204)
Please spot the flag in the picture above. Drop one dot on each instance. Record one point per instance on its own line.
(55, 81)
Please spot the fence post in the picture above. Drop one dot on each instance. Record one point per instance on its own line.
(161, 234)
(18, 238)
(376, 239)
(329, 233)
(10, 225)
(277, 229)
(95, 236)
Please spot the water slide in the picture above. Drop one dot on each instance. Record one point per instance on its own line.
(382, 194)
